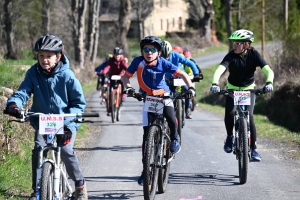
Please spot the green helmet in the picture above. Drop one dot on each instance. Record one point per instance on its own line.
(242, 35)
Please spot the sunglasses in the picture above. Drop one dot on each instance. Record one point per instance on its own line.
(147, 50)
(238, 43)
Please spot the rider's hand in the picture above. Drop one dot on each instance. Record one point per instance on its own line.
(269, 87)
(13, 110)
(215, 88)
(66, 138)
(139, 97)
(129, 91)
(191, 92)
(196, 78)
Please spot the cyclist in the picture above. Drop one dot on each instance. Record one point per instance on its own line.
(176, 58)
(115, 66)
(151, 69)
(56, 90)
(241, 63)
(188, 70)
(102, 77)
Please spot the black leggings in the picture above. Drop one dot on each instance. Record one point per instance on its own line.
(229, 117)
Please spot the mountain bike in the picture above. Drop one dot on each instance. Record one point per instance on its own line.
(116, 98)
(52, 182)
(242, 140)
(101, 85)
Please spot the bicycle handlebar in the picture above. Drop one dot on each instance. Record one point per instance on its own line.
(257, 92)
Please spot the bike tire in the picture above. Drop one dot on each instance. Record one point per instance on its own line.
(119, 100)
(193, 102)
(243, 151)
(47, 190)
(163, 173)
(183, 113)
(179, 117)
(150, 161)
(107, 99)
(113, 107)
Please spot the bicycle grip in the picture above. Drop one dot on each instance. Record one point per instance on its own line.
(90, 115)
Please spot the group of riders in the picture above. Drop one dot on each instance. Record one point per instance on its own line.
(159, 63)
(116, 64)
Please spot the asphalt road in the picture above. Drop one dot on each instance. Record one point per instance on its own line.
(111, 160)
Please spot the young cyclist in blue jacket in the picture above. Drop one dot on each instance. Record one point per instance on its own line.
(55, 90)
(151, 69)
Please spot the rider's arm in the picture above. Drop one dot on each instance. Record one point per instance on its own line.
(133, 67)
(189, 63)
(219, 71)
(185, 78)
(269, 73)
(101, 67)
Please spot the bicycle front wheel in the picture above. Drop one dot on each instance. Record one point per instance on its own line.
(47, 189)
(179, 117)
(163, 174)
(113, 107)
(243, 151)
(150, 163)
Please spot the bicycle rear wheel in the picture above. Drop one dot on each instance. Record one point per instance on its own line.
(150, 163)
(119, 104)
(107, 99)
(47, 177)
(179, 117)
(163, 173)
(243, 151)
(113, 107)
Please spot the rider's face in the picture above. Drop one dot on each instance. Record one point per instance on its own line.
(47, 59)
(150, 52)
(238, 46)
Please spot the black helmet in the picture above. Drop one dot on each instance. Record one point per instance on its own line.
(118, 51)
(157, 42)
(49, 43)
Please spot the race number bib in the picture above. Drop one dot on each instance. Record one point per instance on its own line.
(242, 97)
(51, 124)
(154, 104)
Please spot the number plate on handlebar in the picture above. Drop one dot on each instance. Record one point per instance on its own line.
(51, 124)
(154, 104)
(242, 97)
(178, 82)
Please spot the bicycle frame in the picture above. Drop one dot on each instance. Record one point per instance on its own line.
(116, 98)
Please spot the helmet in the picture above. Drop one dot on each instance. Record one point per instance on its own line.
(166, 49)
(242, 35)
(187, 53)
(177, 49)
(118, 50)
(157, 42)
(49, 43)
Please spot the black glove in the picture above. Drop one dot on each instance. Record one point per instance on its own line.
(129, 91)
(139, 97)
(13, 110)
(65, 138)
(191, 92)
(196, 78)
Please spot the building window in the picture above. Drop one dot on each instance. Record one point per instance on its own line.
(173, 22)
(167, 3)
(161, 25)
(104, 4)
(167, 24)
(180, 23)
(160, 3)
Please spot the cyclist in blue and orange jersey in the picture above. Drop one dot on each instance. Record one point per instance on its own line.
(54, 89)
(189, 71)
(116, 65)
(241, 63)
(151, 70)
(178, 59)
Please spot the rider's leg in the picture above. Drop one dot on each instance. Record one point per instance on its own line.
(229, 123)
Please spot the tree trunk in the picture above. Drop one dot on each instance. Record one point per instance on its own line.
(228, 20)
(206, 20)
(8, 12)
(78, 14)
(46, 17)
(93, 29)
(123, 26)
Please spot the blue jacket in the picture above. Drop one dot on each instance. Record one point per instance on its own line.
(100, 67)
(55, 93)
(178, 59)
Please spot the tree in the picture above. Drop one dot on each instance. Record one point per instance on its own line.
(8, 20)
(78, 14)
(228, 19)
(124, 24)
(45, 17)
(93, 30)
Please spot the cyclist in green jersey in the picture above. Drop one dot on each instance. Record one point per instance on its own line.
(241, 63)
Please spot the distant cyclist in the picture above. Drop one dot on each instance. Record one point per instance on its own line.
(115, 66)
(151, 69)
(241, 63)
(175, 57)
(102, 77)
(189, 71)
